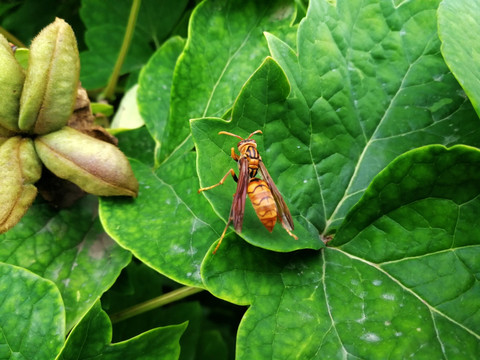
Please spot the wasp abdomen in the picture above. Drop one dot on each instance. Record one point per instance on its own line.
(263, 202)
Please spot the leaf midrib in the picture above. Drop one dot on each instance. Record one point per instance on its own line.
(431, 308)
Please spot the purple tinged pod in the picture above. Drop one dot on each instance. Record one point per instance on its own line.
(97, 167)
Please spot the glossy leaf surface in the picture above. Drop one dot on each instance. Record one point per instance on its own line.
(70, 248)
(349, 112)
(404, 285)
(360, 96)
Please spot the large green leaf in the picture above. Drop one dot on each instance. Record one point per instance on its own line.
(168, 226)
(262, 101)
(224, 47)
(92, 336)
(32, 316)
(360, 96)
(372, 93)
(68, 247)
(405, 285)
(458, 27)
(345, 118)
(365, 83)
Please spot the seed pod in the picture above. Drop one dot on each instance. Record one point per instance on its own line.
(5, 134)
(11, 83)
(95, 166)
(51, 82)
(20, 168)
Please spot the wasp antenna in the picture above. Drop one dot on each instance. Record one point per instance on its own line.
(227, 133)
(255, 132)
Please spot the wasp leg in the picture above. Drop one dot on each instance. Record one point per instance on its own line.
(231, 172)
(233, 155)
(223, 235)
(289, 232)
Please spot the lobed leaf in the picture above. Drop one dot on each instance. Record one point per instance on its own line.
(372, 93)
(367, 83)
(262, 101)
(224, 47)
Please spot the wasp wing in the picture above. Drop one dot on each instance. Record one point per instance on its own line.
(282, 209)
(238, 206)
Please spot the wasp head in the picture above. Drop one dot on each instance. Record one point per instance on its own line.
(245, 144)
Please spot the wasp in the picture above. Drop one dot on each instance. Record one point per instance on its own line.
(263, 193)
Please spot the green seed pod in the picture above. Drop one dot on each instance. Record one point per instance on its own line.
(51, 82)
(11, 83)
(20, 169)
(95, 166)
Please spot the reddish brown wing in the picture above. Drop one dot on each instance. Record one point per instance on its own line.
(238, 206)
(282, 209)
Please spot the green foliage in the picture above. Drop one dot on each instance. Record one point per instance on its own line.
(457, 19)
(68, 247)
(368, 132)
(92, 336)
(106, 23)
(32, 316)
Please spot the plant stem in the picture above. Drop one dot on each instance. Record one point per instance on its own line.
(154, 303)
(12, 38)
(109, 91)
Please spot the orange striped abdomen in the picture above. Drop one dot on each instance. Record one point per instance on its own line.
(263, 202)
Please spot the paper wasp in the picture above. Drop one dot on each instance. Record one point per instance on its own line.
(264, 195)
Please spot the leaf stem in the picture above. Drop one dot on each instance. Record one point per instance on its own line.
(154, 303)
(109, 91)
(12, 38)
